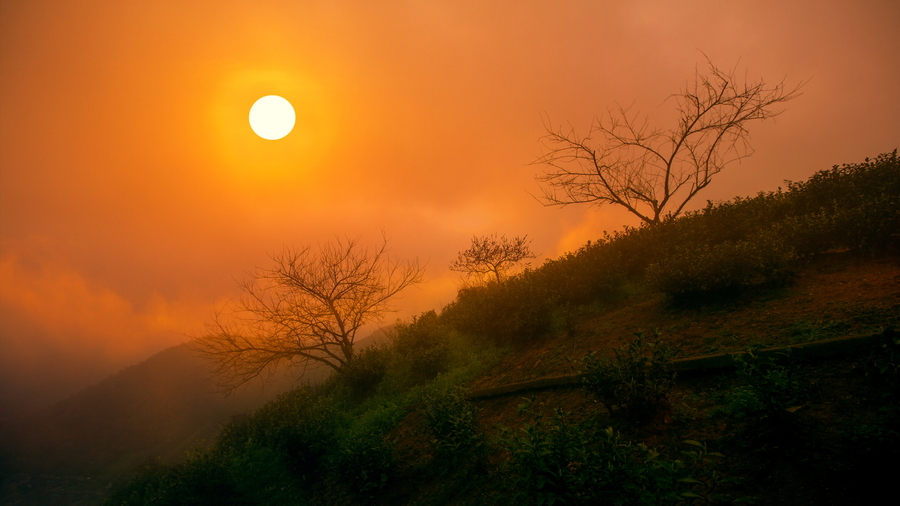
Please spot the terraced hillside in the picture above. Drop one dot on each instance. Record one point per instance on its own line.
(399, 425)
(825, 450)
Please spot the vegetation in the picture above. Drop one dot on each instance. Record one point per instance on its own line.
(395, 426)
(635, 383)
(773, 385)
(451, 421)
(553, 460)
(306, 309)
(492, 256)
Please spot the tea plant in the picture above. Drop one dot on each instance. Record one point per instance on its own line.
(299, 425)
(635, 383)
(517, 310)
(707, 480)
(774, 385)
(697, 270)
(451, 421)
(555, 461)
(366, 460)
(424, 346)
(739, 402)
(360, 378)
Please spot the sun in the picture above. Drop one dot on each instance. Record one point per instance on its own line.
(272, 117)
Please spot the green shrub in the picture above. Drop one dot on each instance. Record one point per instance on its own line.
(847, 185)
(363, 374)
(424, 345)
(873, 225)
(519, 309)
(154, 484)
(257, 460)
(861, 201)
(739, 402)
(450, 420)
(299, 425)
(637, 247)
(707, 480)
(810, 234)
(522, 308)
(635, 382)
(757, 241)
(775, 386)
(700, 270)
(365, 461)
(262, 475)
(555, 461)
(380, 418)
(203, 479)
(593, 272)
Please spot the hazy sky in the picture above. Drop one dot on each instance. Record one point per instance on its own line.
(133, 193)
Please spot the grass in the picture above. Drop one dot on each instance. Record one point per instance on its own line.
(815, 330)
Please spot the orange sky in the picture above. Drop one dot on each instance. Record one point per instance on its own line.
(133, 192)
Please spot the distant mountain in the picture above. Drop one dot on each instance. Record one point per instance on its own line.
(158, 408)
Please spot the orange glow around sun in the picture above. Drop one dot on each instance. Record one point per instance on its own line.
(252, 159)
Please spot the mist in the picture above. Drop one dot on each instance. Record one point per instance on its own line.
(134, 196)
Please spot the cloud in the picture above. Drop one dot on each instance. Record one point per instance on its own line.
(126, 144)
(59, 331)
(60, 301)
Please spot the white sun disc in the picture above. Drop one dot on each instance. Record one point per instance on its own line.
(272, 117)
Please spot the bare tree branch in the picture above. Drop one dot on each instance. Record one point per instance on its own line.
(651, 172)
(306, 309)
(490, 255)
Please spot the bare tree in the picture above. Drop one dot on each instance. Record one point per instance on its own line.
(654, 172)
(490, 255)
(307, 309)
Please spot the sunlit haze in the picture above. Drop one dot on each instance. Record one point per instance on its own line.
(134, 195)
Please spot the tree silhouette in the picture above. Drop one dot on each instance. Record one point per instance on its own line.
(490, 255)
(306, 309)
(653, 172)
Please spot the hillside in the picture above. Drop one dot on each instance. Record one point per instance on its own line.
(815, 261)
(154, 411)
(157, 409)
(836, 294)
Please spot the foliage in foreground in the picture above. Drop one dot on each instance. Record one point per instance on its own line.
(553, 460)
(456, 438)
(635, 382)
(333, 437)
(774, 385)
(263, 458)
